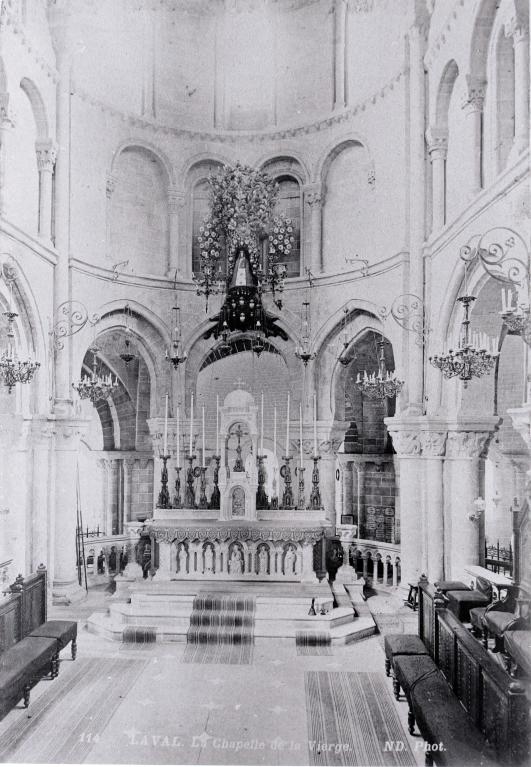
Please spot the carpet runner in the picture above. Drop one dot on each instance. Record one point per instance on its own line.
(221, 630)
(352, 721)
(313, 643)
(63, 723)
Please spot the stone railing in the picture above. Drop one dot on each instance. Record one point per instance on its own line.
(376, 560)
(104, 555)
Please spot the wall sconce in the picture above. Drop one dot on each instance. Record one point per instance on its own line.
(479, 508)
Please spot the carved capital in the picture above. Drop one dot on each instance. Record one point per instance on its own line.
(313, 195)
(475, 95)
(7, 118)
(110, 185)
(466, 444)
(517, 27)
(176, 200)
(69, 432)
(406, 442)
(46, 152)
(42, 432)
(437, 140)
(371, 179)
(433, 443)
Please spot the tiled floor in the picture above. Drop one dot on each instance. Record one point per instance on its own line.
(177, 713)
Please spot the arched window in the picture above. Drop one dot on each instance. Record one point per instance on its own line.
(289, 203)
(200, 210)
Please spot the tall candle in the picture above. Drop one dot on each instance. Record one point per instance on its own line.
(203, 434)
(191, 425)
(315, 423)
(275, 431)
(287, 428)
(262, 427)
(178, 436)
(300, 432)
(165, 446)
(217, 424)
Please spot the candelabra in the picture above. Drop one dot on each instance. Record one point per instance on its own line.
(215, 498)
(164, 495)
(315, 495)
(303, 351)
(13, 370)
(261, 496)
(301, 502)
(95, 387)
(287, 496)
(381, 385)
(190, 491)
(467, 361)
(177, 497)
(203, 502)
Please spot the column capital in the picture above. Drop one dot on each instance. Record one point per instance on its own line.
(521, 418)
(433, 443)
(406, 442)
(42, 430)
(46, 152)
(110, 184)
(517, 27)
(7, 116)
(467, 444)
(475, 94)
(68, 432)
(176, 199)
(313, 194)
(437, 140)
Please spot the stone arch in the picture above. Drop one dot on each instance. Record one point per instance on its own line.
(37, 105)
(479, 40)
(285, 165)
(445, 88)
(138, 143)
(337, 146)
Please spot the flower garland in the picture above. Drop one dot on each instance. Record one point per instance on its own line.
(242, 202)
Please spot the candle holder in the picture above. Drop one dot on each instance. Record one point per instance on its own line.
(301, 502)
(215, 498)
(177, 504)
(163, 501)
(189, 501)
(261, 495)
(287, 496)
(203, 503)
(315, 495)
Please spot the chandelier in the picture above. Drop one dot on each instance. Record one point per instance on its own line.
(95, 387)
(343, 358)
(472, 358)
(176, 356)
(127, 354)
(378, 386)
(303, 351)
(13, 370)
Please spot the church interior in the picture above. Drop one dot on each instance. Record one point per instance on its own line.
(265, 383)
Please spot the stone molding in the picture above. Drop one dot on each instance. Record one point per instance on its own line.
(46, 152)
(433, 443)
(406, 442)
(220, 533)
(69, 432)
(440, 439)
(176, 200)
(8, 19)
(466, 444)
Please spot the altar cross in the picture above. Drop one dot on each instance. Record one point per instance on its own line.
(239, 382)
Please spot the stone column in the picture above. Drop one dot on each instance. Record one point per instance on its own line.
(312, 197)
(307, 572)
(437, 139)
(347, 487)
(65, 583)
(408, 447)
(164, 568)
(6, 123)
(42, 433)
(433, 446)
(110, 186)
(473, 108)
(177, 262)
(518, 29)
(463, 449)
(128, 465)
(46, 153)
(340, 24)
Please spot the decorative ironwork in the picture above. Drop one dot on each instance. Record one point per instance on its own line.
(408, 311)
(466, 361)
(164, 495)
(71, 317)
(382, 384)
(176, 356)
(364, 269)
(95, 387)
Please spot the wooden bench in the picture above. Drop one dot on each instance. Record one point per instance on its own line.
(23, 660)
(33, 590)
(458, 695)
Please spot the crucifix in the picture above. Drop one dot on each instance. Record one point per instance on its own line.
(238, 466)
(239, 382)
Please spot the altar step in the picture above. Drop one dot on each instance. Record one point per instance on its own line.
(280, 614)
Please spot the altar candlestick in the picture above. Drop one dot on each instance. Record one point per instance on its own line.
(165, 446)
(217, 424)
(287, 427)
(191, 425)
(262, 426)
(300, 433)
(275, 431)
(315, 424)
(203, 433)
(178, 436)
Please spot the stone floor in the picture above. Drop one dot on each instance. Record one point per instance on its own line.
(178, 713)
